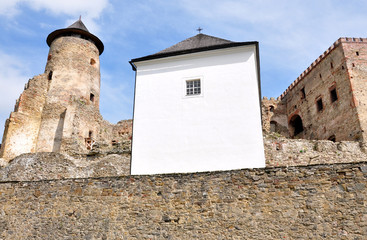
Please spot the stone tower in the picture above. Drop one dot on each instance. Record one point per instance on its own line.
(59, 109)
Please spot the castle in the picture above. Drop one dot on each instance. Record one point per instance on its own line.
(59, 109)
(327, 101)
(72, 176)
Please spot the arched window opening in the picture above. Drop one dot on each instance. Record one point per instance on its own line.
(271, 108)
(273, 126)
(296, 124)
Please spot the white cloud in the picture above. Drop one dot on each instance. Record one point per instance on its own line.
(8, 8)
(89, 10)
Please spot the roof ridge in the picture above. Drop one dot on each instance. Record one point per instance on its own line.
(198, 41)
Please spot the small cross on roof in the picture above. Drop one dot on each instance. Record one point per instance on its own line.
(199, 29)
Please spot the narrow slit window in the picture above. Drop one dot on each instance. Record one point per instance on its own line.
(357, 53)
(319, 105)
(50, 75)
(303, 93)
(193, 87)
(333, 95)
(91, 97)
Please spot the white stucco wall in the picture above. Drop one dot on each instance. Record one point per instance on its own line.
(218, 130)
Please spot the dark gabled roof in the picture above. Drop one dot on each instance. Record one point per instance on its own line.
(198, 43)
(76, 28)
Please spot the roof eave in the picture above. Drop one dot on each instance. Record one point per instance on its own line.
(55, 34)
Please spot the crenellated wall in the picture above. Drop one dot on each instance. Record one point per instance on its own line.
(321, 58)
(328, 100)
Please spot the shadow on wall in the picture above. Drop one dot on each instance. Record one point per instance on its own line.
(58, 133)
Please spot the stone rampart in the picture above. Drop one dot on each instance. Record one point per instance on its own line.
(104, 161)
(280, 151)
(309, 202)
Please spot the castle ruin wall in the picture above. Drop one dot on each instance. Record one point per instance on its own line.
(22, 127)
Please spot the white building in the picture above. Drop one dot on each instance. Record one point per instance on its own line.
(197, 108)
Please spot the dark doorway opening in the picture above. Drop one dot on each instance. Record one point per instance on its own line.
(273, 126)
(296, 124)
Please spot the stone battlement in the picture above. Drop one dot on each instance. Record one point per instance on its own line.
(320, 58)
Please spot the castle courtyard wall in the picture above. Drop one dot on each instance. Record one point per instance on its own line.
(312, 202)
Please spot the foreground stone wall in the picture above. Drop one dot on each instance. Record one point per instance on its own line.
(313, 202)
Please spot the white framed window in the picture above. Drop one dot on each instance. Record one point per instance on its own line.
(193, 87)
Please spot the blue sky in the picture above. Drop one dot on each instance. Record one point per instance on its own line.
(292, 34)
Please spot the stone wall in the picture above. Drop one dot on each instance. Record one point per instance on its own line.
(355, 50)
(313, 202)
(280, 151)
(113, 158)
(274, 116)
(22, 127)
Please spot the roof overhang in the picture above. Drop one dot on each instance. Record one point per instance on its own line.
(194, 50)
(61, 32)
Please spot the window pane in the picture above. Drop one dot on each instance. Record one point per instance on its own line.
(193, 87)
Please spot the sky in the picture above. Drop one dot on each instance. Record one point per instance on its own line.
(291, 34)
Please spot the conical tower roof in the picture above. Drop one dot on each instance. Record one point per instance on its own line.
(80, 25)
(76, 28)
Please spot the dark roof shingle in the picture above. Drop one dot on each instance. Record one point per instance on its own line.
(80, 25)
(198, 43)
